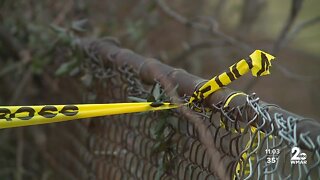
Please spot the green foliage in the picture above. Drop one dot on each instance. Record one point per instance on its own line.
(68, 38)
(66, 67)
(162, 131)
(79, 26)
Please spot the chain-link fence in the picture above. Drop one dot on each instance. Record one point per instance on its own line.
(230, 136)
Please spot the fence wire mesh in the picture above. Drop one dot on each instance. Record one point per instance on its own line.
(220, 142)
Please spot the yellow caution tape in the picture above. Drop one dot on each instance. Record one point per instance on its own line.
(258, 62)
(15, 116)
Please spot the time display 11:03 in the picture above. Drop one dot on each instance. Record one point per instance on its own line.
(272, 151)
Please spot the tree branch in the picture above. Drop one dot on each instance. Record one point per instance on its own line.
(295, 9)
(192, 48)
(250, 13)
(298, 28)
(213, 30)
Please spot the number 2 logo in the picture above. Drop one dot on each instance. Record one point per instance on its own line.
(297, 154)
(295, 151)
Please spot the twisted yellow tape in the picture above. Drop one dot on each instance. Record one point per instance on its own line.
(259, 62)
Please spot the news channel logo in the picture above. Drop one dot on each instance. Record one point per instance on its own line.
(298, 157)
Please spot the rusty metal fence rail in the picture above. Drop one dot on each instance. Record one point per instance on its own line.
(232, 136)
